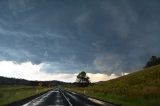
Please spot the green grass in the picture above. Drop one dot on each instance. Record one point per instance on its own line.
(141, 88)
(9, 94)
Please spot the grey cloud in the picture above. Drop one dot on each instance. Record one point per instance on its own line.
(109, 63)
(20, 6)
(105, 36)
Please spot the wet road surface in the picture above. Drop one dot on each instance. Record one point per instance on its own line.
(60, 97)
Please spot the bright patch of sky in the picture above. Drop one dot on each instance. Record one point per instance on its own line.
(34, 72)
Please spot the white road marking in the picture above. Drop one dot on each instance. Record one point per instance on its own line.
(66, 99)
(97, 101)
(100, 102)
(73, 93)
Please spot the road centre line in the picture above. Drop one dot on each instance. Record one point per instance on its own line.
(66, 99)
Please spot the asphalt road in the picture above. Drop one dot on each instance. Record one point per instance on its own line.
(61, 97)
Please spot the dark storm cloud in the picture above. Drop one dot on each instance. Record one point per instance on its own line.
(100, 35)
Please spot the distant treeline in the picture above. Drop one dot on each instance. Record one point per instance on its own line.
(152, 61)
(14, 81)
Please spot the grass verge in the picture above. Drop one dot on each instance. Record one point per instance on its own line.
(9, 94)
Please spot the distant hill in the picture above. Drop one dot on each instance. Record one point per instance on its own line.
(14, 81)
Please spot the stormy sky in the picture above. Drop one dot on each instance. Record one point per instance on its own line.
(105, 38)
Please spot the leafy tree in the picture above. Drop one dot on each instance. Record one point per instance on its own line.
(40, 84)
(153, 61)
(82, 79)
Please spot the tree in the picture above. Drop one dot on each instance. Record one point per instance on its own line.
(153, 61)
(40, 84)
(82, 79)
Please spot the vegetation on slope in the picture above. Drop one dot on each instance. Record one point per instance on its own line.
(141, 88)
(11, 93)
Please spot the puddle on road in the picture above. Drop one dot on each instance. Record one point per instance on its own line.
(55, 91)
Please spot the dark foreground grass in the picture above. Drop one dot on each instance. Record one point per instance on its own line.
(9, 94)
(141, 88)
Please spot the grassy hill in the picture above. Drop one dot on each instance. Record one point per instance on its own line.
(141, 88)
